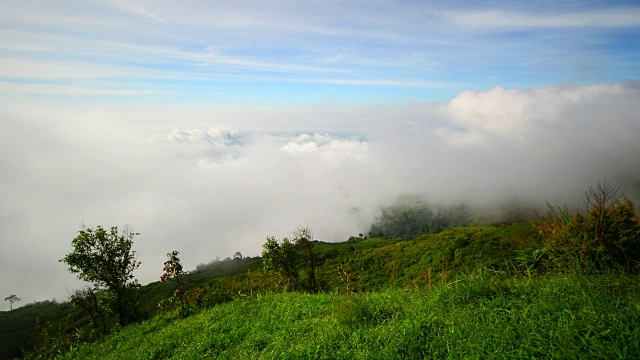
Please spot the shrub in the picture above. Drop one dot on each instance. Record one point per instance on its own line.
(606, 236)
(173, 272)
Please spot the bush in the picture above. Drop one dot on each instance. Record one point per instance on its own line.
(605, 237)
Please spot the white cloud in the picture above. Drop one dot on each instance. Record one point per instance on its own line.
(73, 89)
(615, 18)
(218, 145)
(511, 115)
(212, 146)
(496, 111)
(215, 136)
(384, 82)
(317, 142)
(140, 10)
(223, 180)
(222, 46)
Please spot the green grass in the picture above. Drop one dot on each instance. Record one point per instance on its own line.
(25, 325)
(481, 316)
(420, 298)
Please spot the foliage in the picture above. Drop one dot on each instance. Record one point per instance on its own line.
(174, 273)
(87, 300)
(410, 217)
(218, 267)
(491, 315)
(606, 236)
(451, 294)
(295, 261)
(106, 259)
(282, 258)
(18, 331)
(303, 239)
(12, 299)
(367, 263)
(431, 258)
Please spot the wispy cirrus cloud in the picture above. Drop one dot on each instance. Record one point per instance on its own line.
(139, 9)
(254, 50)
(70, 89)
(622, 17)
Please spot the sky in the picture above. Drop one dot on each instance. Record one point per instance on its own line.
(207, 126)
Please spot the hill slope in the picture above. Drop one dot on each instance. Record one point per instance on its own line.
(487, 316)
(373, 264)
(457, 293)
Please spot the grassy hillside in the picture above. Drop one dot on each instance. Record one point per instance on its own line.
(373, 264)
(487, 315)
(42, 323)
(458, 293)
(26, 325)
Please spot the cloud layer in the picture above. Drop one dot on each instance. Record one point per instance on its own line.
(212, 181)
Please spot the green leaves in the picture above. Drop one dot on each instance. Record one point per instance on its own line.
(606, 236)
(174, 273)
(282, 258)
(106, 259)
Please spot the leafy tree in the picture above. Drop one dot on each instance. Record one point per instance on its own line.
(303, 238)
(12, 299)
(282, 258)
(105, 258)
(173, 272)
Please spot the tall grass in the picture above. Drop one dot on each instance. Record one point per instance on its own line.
(481, 315)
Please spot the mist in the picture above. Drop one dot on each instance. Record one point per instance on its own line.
(209, 181)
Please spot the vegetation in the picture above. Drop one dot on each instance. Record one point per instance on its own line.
(303, 238)
(174, 273)
(12, 299)
(105, 259)
(489, 315)
(31, 326)
(87, 299)
(564, 286)
(606, 236)
(282, 258)
(412, 216)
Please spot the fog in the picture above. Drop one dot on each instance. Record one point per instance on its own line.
(210, 181)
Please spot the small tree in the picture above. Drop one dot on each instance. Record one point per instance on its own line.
(105, 258)
(303, 238)
(174, 273)
(282, 258)
(12, 299)
(87, 299)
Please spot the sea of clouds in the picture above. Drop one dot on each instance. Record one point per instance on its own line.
(209, 182)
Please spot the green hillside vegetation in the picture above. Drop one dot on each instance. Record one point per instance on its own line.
(411, 216)
(489, 316)
(371, 264)
(564, 286)
(27, 325)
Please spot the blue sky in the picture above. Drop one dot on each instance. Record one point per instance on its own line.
(289, 52)
(207, 126)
